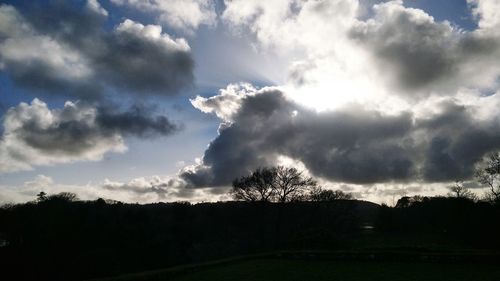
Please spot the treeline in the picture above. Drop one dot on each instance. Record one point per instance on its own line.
(462, 221)
(56, 238)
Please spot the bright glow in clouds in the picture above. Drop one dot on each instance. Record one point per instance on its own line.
(334, 64)
(333, 70)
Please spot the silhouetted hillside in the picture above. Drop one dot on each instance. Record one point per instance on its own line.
(60, 239)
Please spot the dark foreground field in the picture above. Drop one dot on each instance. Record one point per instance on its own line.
(431, 239)
(273, 268)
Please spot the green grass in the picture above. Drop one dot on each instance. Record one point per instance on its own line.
(265, 270)
(272, 269)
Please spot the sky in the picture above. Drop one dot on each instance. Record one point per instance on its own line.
(150, 100)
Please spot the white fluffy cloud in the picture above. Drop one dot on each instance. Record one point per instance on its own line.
(390, 60)
(488, 12)
(153, 33)
(227, 103)
(186, 15)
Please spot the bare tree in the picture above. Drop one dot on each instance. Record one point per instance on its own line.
(459, 191)
(256, 187)
(277, 184)
(488, 173)
(290, 184)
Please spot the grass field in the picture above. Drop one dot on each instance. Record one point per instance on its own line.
(299, 270)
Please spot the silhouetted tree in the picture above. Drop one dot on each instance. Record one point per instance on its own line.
(488, 173)
(63, 196)
(319, 194)
(256, 187)
(277, 184)
(407, 201)
(41, 196)
(403, 202)
(459, 191)
(290, 184)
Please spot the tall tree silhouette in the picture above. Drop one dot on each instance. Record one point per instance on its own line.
(488, 173)
(459, 191)
(290, 184)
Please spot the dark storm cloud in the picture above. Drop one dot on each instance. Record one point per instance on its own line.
(78, 56)
(352, 145)
(137, 121)
(458, 141)
(132, 63)
(72, 134)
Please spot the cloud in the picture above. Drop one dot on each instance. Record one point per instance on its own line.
(487, 11)
(71, 53)
(142, 58)
(381, 96)
(326, 69)
(185, 15)
(164, 188)
(36, 135)
(283, 23)
(136, 121)
(96, 7)
(387, 56)
(227, 103)
(350, 145)
(423, 56)
(37, 60)
(139, 190)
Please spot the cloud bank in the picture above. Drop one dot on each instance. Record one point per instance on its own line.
(351, 145)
